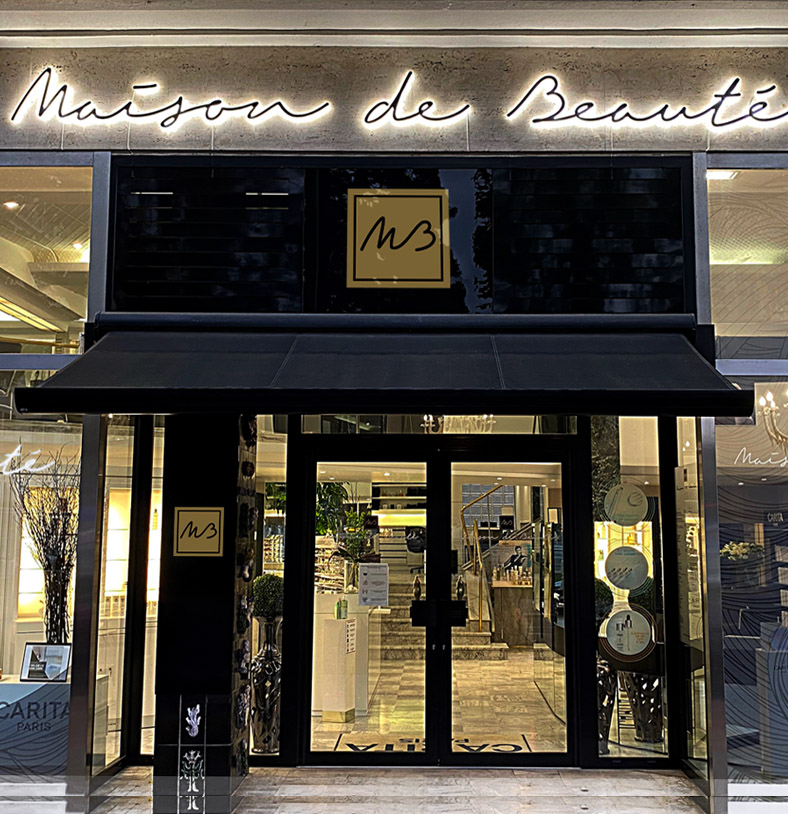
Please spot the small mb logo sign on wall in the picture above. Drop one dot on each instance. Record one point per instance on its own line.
(199, 532)
(398, 238)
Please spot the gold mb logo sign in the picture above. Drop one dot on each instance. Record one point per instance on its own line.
(398, 238)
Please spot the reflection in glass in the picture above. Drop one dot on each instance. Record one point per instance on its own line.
(44, 253)
(752, 482)
(508, 665)
(748, 244)
(370, 557)
(113, 590)
(690, 533)
(152, 597)
(629, 604)
(433, 424)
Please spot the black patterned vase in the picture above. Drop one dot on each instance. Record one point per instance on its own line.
(267, 685)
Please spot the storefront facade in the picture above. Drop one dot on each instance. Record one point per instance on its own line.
(425, 338)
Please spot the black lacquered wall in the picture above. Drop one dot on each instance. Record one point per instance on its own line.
(570, 235)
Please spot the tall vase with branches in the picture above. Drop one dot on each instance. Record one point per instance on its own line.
(47, 504)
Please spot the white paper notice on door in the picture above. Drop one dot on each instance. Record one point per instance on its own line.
(373, 584)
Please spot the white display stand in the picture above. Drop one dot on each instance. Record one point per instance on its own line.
(339, 670)
(34, 719)
(368, 649)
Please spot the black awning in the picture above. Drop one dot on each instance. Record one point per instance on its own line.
(280, 372)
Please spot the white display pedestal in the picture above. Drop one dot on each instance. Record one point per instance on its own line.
(339, 670)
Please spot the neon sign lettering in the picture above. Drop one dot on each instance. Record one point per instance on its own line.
(27, 462)
(715, 114)
(392, 110)
(48, 102)
(546, 102)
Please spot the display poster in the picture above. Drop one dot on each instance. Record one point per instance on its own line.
(373, 584)
(350, 636)
(626, 567)
(629, 632)
(626, 504)
(398, 238)
(45, 662)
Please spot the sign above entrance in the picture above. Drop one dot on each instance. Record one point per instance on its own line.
(456, 100)
(398, 238)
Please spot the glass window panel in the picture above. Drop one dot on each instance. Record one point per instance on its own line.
(427, 424)
(748, 245)
(752, 483)
(271, 477)
(44, 255)
(508, 661)
(368, 658)
(629, 603)
(152, 595)
(113, 588)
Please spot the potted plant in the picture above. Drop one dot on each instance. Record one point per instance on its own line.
(268, 594)
(47, 503)
(355, 545)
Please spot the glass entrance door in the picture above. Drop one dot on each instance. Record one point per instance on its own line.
(438, 618)
(508, 661)
(370, 564)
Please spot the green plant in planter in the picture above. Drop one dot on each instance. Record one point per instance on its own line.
(330, 508)
(268, 591)
(276, 497)
(356, 541)
(603, 601)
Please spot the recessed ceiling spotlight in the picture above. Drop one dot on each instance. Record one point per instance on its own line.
(741, 483)
(500, 479)
(763, 478)
(645, 482)
(386, 474)
(721, 175)
(77, 246)
(11, 204)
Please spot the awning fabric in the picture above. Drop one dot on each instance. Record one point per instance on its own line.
(148, 371)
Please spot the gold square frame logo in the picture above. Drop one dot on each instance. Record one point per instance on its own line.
(398, 238)
(199, 531)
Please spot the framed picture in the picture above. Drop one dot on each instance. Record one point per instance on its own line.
(45, 662)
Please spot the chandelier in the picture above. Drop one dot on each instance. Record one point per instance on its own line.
(771, 413)
(458, 424)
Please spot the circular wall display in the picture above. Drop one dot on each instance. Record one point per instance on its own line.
(626, 504)
(629, 633)
(626, 567)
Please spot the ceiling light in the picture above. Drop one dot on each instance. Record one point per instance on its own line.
(645, 482)
(500, 478)
(721, 175)
(30, 318)
(386, 474)
(11, 204)
(741, 483)
(77, 246)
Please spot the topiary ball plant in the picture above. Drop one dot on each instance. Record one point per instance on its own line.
(268, 591)
(603, 601)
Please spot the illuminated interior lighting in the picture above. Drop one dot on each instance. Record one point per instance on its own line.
(84, 256)
(266, 194)
(721, 175)
(77, 246)
(386, 474)
(11, 204)
(741, 483)
(26, 316)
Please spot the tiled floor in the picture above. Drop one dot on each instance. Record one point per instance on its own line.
(496, 706)
(416, 791)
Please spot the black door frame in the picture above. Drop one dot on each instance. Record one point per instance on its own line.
(438, 452)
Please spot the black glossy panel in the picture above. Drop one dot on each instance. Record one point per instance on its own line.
(207, 238)
(589, 240)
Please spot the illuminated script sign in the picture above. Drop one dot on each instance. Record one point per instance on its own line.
(541, 102)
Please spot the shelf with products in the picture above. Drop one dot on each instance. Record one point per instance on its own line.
(329, 569)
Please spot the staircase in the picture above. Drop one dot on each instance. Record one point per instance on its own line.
(403, 642)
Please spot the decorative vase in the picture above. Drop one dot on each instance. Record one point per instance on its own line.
(606, 697)
(56, 587)
(267, 685)
(645, 698)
